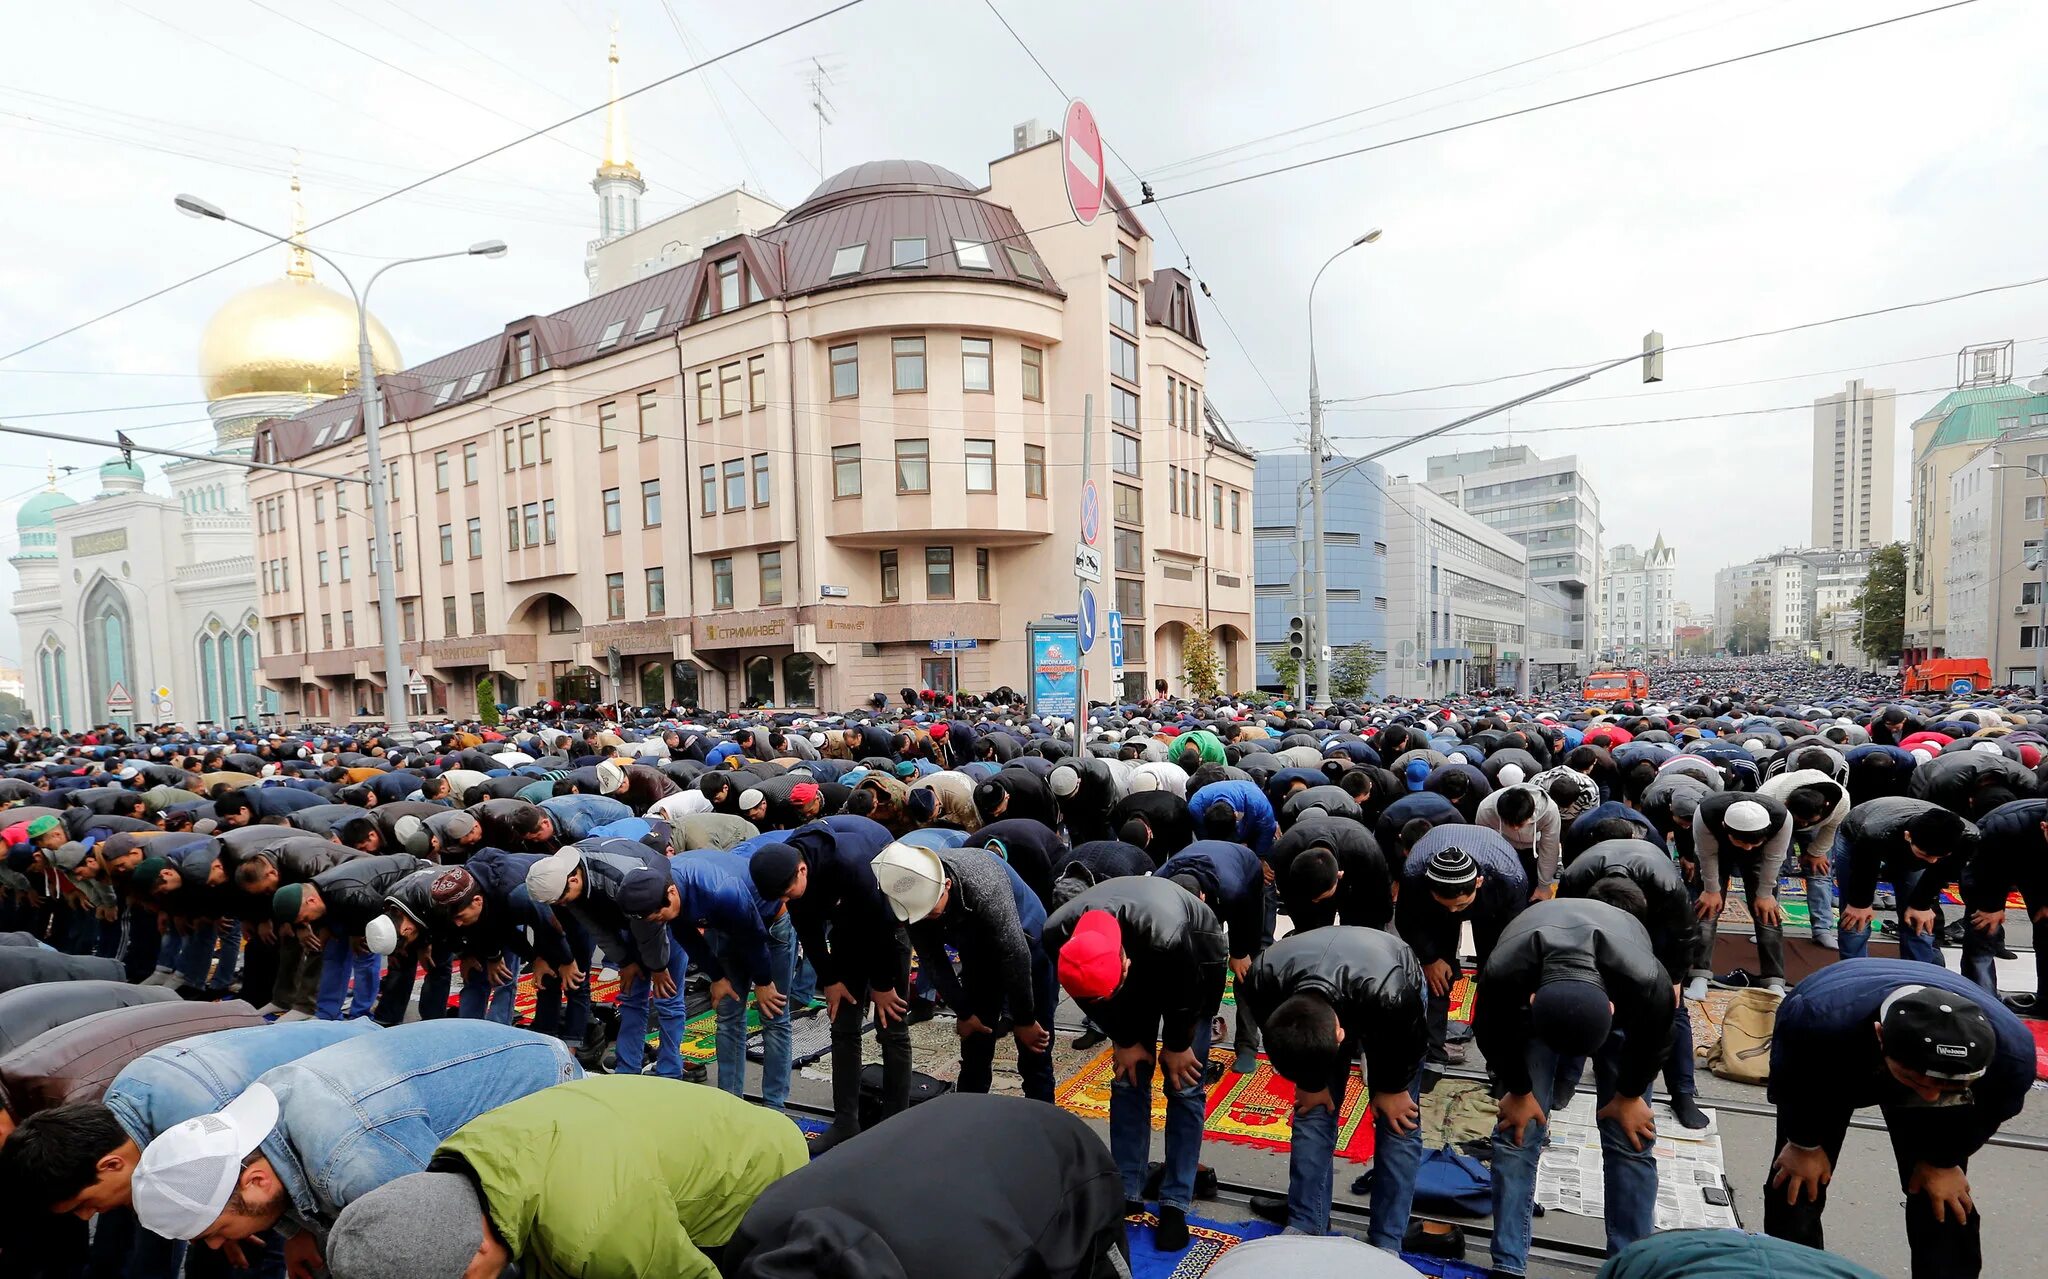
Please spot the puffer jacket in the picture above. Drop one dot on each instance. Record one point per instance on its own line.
(77, 1060)
(1591, 938)
(844, 902)
(354, 890)
(2011, 853)
(28, 1011)
(1232, 881)
(1959, 780)
(1671, 923)
(1877, 770)
(1177, 953)
(1256, 824)
(1164, 812)
(1874, 846)
(1374, 982)
(1365, 894)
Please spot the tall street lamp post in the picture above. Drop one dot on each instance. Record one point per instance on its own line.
(1316, 446)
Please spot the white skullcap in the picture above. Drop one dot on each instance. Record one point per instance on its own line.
(1746, 816)
(749, 798)
(1143, 781)
(1512, 775)
(381, 935)
(1065, 780)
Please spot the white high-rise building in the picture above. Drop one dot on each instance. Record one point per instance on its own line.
(1853, 436)
(1638, 599)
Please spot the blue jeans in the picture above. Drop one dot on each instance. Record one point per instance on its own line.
(978, 1052)
(804, 984)
(1820, 901)
(670, 1015)
(196, 960)
(1130, 1128)
(170, 948)
(1855, 943)
(397, 989)
(1311, 1173)
(777, 1052)
(566, 1014)
(1630, 1175)
(343, 971)
(485, 1000)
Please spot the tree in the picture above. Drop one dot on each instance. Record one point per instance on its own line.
(1352, 672)
(1201, 665)
(1883, 602)
(487, 701)
(12, 711)
(1750, 631)
(1286, 671)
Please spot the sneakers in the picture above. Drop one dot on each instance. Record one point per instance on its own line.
(1696, 989)
(1448, 1244)
(1171, 1234)
(1734, 979)
(1696, 1122)
(1827, 939)
(1448, 1055)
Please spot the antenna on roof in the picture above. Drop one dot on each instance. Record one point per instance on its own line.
(817, 78)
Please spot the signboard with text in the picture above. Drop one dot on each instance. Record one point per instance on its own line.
(1055, 670)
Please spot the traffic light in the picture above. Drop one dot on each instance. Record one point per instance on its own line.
(1653, 356)
(1297, 637)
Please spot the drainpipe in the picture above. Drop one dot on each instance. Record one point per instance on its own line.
(796, 489)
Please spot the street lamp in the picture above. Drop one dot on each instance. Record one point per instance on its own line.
(373, 426)
(2041, 627)
(1315, 473)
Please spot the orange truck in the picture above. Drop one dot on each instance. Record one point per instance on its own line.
(1947, 675)
(1616, 686)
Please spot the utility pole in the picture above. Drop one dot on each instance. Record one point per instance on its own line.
(1320, 639)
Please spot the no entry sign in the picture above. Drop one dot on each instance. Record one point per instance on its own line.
(1081, 145)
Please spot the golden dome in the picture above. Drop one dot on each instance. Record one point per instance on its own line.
(290, 336)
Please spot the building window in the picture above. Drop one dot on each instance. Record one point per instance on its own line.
(476, 613)
(2030, 636)
(1216, 505)
(320, 565)
(729, 284)
(757, 381)
(2030, 592)
(562, 617)
(1123, 312)
(1236, 512)
(1127, 264)
(529, 439)
(1123, 454)
(892, 585)
(909, 363)
(847, 259)
(981, 573)
(511, 438)
(648, 320)
(469, 465)
(1034, 470)
(2037, 508)
(547, 521)
(1130, 551)
(706, 396)
(327, 630)
(340, 498)
(846, 470)
(977, 364)
(441, 471)
(938, 572)
(614, 595)
(913, 466)
(511, 528)
(771, 577)
(729, 389)
(1031, 372)
(1130, 598)
(650, 403)
(845, 371)
(763, 487)
(522, 355)
(447, 544)
(448, 616)
(529, 516)
(409, 619)
(1129, 503)
(476, 539)
(1021, 262)
(650, 503)
(607, 432)
(707, 496)
(1123, 359)
(907, 253)
(319, 506)
(610, 337)
(721, 582)
(972, 255)
(981, 466)
(348, 628)
(1123, 408)
(346, 575)
(657, 591)
(611, 511)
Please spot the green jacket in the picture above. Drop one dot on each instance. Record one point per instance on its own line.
(1210, 746)
(573, 1176)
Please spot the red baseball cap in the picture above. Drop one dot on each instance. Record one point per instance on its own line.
(803, 792)
(1092, 961)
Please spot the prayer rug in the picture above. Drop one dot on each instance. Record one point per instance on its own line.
(1208, 1240)
(2040, 1031)
(1248, 1110)
(1086, 1091)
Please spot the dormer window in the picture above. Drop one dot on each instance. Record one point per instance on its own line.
(728, 284)
(523, 364)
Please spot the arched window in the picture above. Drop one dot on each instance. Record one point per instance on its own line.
(50, 678)
(63, 714)
(245, 671)
(109, 655)
(209, 679)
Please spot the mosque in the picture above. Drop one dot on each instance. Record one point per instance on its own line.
(138, 607)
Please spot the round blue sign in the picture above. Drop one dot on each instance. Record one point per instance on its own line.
(1962, 686)
(1086, 619)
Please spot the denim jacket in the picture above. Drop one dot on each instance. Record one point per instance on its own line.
(579, 816)
(198, 1076)
(372, 1110)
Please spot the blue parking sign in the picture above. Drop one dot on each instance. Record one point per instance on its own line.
(1115, 622)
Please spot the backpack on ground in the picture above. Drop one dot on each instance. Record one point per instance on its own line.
(1744, 1053)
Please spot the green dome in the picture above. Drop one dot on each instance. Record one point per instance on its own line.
(41, 510)
(116, 467)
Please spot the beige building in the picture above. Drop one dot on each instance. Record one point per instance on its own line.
(779, 471)
(1945, 437)
(1853, 439)
(1998, 514)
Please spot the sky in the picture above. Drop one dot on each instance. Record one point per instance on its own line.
(1893, 166)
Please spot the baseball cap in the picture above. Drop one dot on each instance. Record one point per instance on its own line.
(186, 1176)
(911, 879)
(1746, 816)
(642, 891)
(1938, 1033)
(548, 878)
(803, 792)
(413, 835)
(610, 777)
(42, 826)
(1092, 961)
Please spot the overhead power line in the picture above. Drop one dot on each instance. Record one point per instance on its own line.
(479, 158)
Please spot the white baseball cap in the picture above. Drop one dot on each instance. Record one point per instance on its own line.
(911, 878)
(548, 878)
(187, 1175)
(610, 777)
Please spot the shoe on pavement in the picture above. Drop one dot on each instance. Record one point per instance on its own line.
(1696, 1122)
(1827, 939)
(1171, 1234)
(1733, 979)
(1271, 1208)
(1424, 1242)
(1696, 989)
